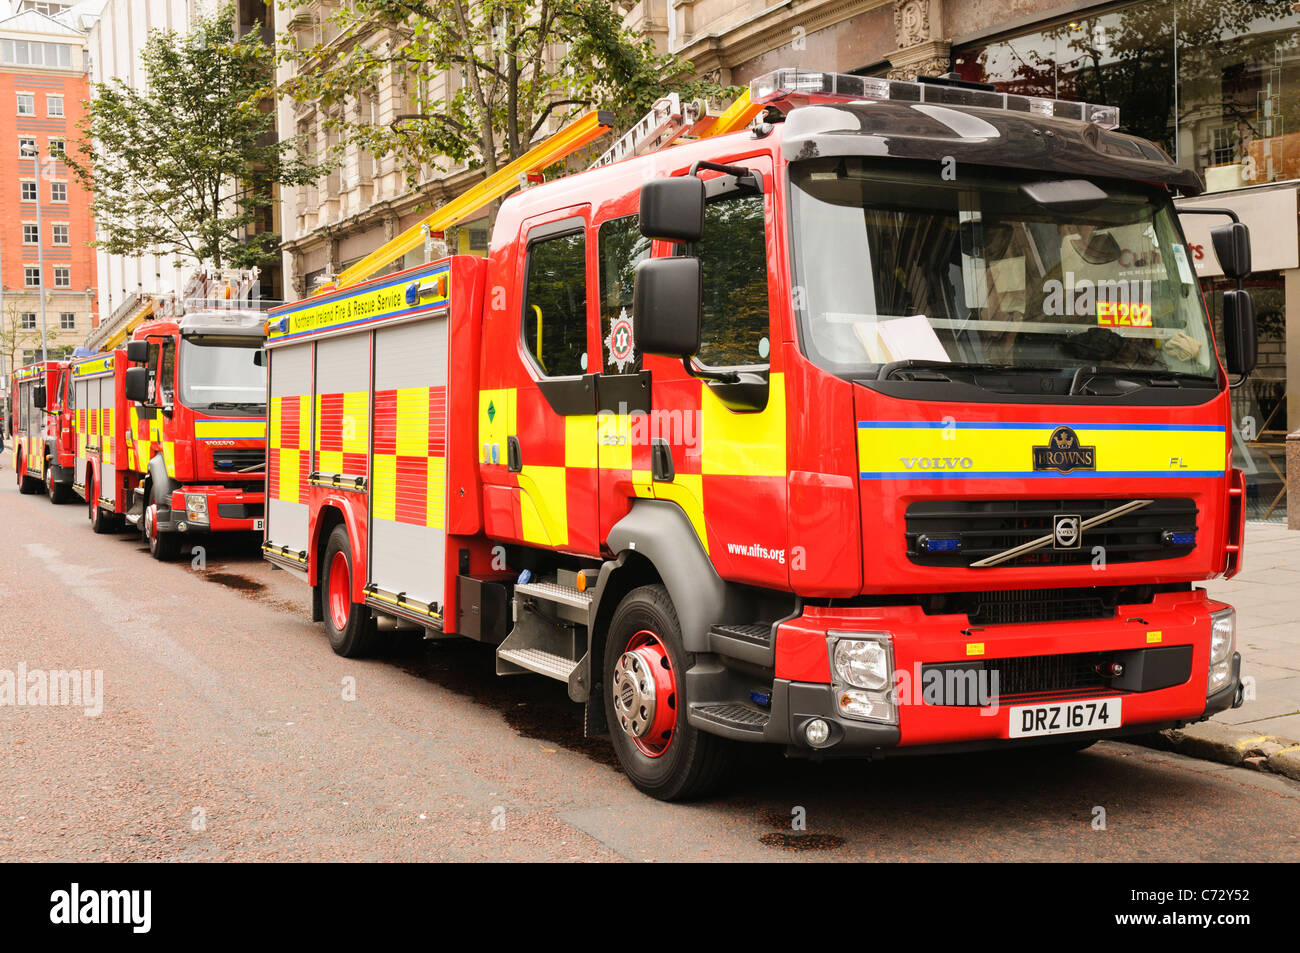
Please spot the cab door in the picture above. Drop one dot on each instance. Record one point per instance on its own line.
(552, 448)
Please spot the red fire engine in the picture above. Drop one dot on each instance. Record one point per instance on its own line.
(41, 425)
(892, 424)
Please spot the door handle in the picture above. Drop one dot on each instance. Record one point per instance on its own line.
(514, 456)
(661, 461)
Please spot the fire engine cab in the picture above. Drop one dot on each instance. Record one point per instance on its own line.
(893, 423)
(41, 425)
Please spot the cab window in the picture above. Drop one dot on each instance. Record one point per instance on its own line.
(555, 305)
(733, 259)
(621, 248)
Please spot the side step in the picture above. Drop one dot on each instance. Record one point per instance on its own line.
(549, 636)
(749, 642)
(730, 719)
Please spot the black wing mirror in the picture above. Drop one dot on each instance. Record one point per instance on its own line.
(672, 210)
(1240, 336)
(38, 396)
(137, 383)
(1232, 247)
(667, 307)
(137, 352)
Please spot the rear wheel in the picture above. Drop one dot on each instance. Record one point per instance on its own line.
(26, 484)
(645, 705)
(163, 546)
(57, 492)
(348, 624)
(100, 521)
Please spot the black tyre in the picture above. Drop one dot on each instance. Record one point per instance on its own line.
(101, 521)
(26, 484)
(349, 625)
(163, 546)
(644, 681)
(57, 492)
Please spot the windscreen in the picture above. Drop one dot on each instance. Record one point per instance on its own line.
(221, 376)
(900, 264)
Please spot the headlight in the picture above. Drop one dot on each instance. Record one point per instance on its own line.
(196, 507)
(862, 666)
(1223, 639)
(862, 663)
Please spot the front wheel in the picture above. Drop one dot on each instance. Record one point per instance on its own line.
(26, 484)
(348, 624)
(163, 546)
(645, 705)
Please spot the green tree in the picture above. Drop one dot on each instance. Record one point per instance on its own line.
(186, 165)
(521, 62)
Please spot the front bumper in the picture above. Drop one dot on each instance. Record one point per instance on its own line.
(229, 510)
(1174, 623)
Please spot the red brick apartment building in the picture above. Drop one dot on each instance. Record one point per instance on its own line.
(44, 252)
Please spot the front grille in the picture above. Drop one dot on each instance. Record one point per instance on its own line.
(241, 511)
(984, 528)
(238, 459)
(1040, 605)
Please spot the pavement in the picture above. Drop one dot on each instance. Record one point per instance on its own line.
(1264, 732)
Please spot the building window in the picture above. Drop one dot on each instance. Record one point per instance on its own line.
(29, 321)
(28, 191)
(26, 147)
(35, 53)
(32, 276)
(26, 104)
(62, 276)
(58, 191)
(60, 234)
(56, 148)
(31, 236)
(53, 105)
(67, 321)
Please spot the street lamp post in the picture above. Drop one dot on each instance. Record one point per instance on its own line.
(35, 156)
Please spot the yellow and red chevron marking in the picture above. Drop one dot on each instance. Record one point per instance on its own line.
(287, 458)
(410, 452)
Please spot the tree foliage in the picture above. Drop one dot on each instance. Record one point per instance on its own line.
(519, 63)
(185, 166)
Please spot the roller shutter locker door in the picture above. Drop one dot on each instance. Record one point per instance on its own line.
(408, 486)
(288, 451)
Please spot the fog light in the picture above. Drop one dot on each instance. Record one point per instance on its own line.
(1219, 673)
(817, 732)
(871, 706)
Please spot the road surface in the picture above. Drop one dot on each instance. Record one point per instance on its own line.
(230, 731)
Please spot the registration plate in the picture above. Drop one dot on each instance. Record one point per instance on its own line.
(1096, 714)
(259, 524)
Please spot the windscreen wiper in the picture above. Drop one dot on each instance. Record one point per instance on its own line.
(887, 371)
(1152, 377)
(236, 405)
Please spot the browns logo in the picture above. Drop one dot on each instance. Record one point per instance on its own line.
(1064, 454)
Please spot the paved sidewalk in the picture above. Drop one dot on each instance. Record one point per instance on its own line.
(1267, 596)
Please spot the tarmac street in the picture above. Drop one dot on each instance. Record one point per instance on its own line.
(209, 720)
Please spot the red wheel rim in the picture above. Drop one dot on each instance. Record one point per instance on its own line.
(340, 591)
(652, 654)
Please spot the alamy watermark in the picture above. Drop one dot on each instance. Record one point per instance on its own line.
(55, 687)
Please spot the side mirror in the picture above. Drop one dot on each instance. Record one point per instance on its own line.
(38, 396)
(137, 352)
(1240, 337)
(667, 308)
(259, 358)
(137, 383)
(1232, 247)
(672, 210)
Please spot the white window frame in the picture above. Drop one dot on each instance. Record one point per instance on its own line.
(63, 268)
(23, 325)
(27, 269)
(29, 97)
(55, 183)
(50, 100)
(67, 325)
(22, 139)
(30, 228)
(54, 233)
(22, 190)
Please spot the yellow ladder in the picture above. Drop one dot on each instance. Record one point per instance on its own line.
(568, 140)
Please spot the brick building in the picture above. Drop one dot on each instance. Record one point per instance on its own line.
(45, 219)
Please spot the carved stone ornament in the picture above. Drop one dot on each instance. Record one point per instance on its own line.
(911, 22)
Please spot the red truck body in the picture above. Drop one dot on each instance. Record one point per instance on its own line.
(44, 439)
